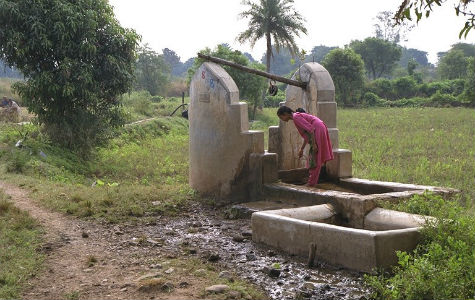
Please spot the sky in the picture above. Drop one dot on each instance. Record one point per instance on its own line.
(187, 26)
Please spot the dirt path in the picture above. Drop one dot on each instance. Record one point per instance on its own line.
(69, 245)
(126, 252)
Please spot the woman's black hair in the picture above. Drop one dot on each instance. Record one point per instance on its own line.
(300, 110)
(284, 110)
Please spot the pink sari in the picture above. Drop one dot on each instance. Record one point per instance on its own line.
(311, 127)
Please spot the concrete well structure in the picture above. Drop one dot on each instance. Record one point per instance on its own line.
(367, 249)
(317, 99)
(226, 158)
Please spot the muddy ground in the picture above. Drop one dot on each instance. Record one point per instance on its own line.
(86, 259)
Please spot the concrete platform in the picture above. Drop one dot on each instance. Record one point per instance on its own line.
(293, 230)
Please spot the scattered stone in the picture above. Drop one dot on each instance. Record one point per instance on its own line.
(155, 266)
(172, 255)
(272, 272)
(212, 257)
(192, 230)
(226, 275)
(200, 273)
(85, 235)
(170, 270)
(183, 284)
(196, 224)
(234, 295)
(153, 242)
(87, 270)
(307, 277)
(192, 251)
(308, 286)
(155, 203)
(123, 289)
(270, 253)
(238, 238)
(246, 233)
(167, 287)
(149, 276)
(251, 257)
(218, 288)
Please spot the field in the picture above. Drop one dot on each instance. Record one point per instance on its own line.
(142, 172)
(429, 146)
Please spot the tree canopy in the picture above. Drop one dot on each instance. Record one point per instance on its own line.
(453, 65)
(379, 56)
(347, 70)
(76, 59)
(152, 72)
(272, 19)
(420, 8)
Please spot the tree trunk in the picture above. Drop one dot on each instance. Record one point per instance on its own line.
(269, 52)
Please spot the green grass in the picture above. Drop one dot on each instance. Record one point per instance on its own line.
(20, 236)
(430, 146)
(142, 172)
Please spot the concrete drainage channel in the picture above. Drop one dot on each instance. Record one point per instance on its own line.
(346, 227)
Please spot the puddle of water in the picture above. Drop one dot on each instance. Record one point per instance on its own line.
(247, 259)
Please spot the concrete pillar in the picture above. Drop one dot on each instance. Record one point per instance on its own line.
(220, 141)
(318, 99)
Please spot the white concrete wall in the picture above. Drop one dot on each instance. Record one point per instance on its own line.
(220, 140)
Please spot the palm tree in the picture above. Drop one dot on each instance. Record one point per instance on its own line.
(274, 19)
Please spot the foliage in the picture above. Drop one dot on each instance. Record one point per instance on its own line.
(347, 69)
(467, 49)
(250, 86)
(424, 8)
(419, 56)
(318, 53)
(468, 95)
(411, 66)
(453, 65)
(272, 19)
(379, 56)
(152, 72)
(384, 28)
(76, 59)
(405, 87)
(443, 265)
(144, 172)
(20, 236)
(429, 146)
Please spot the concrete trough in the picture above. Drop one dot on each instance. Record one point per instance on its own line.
(367, 249)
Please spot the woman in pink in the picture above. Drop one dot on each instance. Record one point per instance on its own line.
(313, 132)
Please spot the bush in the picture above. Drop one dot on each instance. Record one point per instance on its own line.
(439, 99)
(443, 264)
(381, 87)
(371, 99)
(405, 87)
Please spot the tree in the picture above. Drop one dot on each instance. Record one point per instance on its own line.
(411, 66)
(347, 70)
(379, 56)
(251, 87)
(453, 65)
(468, 94)
(173, 61)
(408, 54)
(272, 19)
(425, 7)
(76, 59)
(152, 72)
(467, 49)
(318, 53)
(384, 28)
